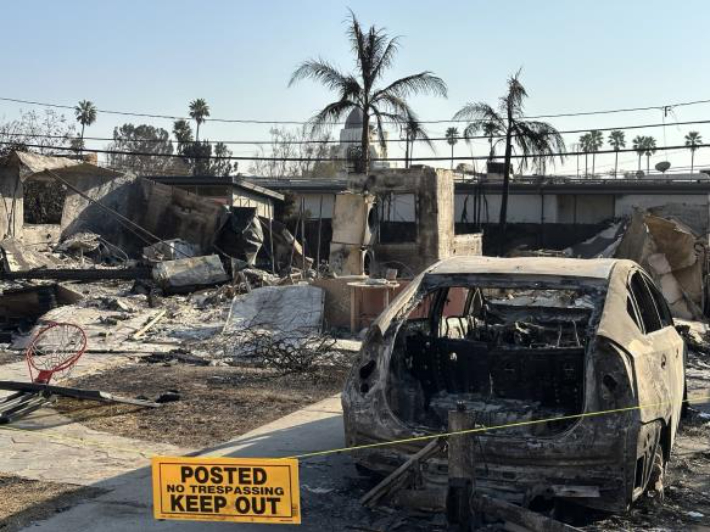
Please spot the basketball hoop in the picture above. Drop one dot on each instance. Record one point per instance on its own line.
(54, 350)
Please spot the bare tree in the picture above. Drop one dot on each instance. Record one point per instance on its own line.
(286, 144)
(36, 132)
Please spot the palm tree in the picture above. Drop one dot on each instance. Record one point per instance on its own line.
(617, 140)
(85, 112)
(538, 141)
(693, 141)
(374, 53)
(413, 130)
(199, 111)
(639, 146)
(490, 130)
(183, 134)
(585, 142)
(649, 148)
(596, 141)
(452, 137)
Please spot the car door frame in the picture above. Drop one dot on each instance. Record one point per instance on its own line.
(655, 354)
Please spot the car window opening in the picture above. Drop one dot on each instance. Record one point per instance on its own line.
(507, 354)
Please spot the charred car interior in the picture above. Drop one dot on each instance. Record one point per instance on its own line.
(531, 352)
(508, 354)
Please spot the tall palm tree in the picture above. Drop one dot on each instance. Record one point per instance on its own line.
(649, 148)
(693, 141)
(199, 111)
(617, 140)
(85, 112)
(585, 142)
(374, 53)
(537, 141)
(596, 141)
(639, 146)
(452, 137)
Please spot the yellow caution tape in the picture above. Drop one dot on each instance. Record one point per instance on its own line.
(478, 430)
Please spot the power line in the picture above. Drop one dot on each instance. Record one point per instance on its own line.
(302, 122)
(336, 142)
(626, 110)
(340, 159)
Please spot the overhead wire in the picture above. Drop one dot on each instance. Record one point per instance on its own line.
(336, 142)
(339, 159)
(303, 122)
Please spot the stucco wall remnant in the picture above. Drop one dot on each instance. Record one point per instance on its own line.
(354, 230)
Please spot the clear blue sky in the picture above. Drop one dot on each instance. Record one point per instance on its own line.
(155, 56)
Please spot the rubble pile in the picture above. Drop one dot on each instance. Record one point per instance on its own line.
(145, 269)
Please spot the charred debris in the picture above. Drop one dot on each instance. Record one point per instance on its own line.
(158, 272)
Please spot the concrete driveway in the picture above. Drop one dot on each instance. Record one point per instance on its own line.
(327, 483)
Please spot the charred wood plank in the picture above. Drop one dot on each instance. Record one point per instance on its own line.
(402, 476)
(518, 515)
(78, 274)
(74, 393)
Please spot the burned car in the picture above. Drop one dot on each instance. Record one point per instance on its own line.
(588, 347)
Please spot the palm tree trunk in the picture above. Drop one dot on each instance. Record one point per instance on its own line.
(639, 163)
(365, 163)
(594, 163)
(197, 131)
(692, 160)
(503, 221)
(452, 156)
(616, 163)
(406, 151)
(648, 164)
(82, 139)
(411, 150)
(586, 165)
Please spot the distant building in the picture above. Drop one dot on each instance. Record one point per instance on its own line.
(349, 146)
(233, 191)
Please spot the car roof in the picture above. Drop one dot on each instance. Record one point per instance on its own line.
(553, 266)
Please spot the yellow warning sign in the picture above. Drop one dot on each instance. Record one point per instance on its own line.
(244, 490)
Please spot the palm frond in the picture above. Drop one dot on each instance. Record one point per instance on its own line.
(617, 139)
(452, 136)
(482, 118)
(85, 112)
(693, 139)
(357, 41)
(319, 70)
(384, 58)
(328, 116)
(516, 95)
(393, 104)
(422, 83)
(538, 141)
(379, 129)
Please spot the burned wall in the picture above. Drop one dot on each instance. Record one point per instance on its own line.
(169, 212)
(164, 211)
(404, 218)
(11, 206)
(435, 237)
(80, 214)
